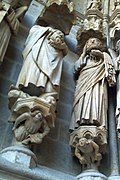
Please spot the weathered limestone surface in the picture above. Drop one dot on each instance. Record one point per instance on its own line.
(54, 152)
(58, 139)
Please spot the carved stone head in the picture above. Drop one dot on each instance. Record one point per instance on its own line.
(83, 142)
(56, 35)
(93, 43)
(37, 115)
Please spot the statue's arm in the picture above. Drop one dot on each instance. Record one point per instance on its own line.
(20, 119)
(46, 128)
(79, 64)
(95, 146)
(77, 153)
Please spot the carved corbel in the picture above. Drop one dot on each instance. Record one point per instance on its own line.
(32, 117)
(88, 144)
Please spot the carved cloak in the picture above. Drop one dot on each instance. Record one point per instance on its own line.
(90, 102)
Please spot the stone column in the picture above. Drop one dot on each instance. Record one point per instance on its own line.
(113, 147)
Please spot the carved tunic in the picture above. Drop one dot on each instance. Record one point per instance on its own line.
(43, 62)
(90, 103)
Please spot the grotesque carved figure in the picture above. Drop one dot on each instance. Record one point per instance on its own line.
(32, 117)
(30, 127)
(87, 151)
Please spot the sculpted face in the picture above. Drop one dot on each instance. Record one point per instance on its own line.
(83, 142)
(93, 43)
(37, 115)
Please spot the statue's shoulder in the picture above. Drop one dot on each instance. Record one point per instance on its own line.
(38, 28)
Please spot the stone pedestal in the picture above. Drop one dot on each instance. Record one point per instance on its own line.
(20, 155)
(91, 175)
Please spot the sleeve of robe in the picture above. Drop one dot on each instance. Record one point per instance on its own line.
(109, 69)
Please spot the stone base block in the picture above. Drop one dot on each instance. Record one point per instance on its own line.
(91, 175)
(20, 155)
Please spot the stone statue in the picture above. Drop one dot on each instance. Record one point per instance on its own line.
(88, 128)
(32, 117)
(33, 100)
(95, 69)
(43, 53)
(87, 151)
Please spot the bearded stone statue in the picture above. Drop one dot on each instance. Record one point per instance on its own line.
(95, 70)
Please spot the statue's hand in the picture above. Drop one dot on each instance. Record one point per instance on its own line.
(97, 53)
(98, 157)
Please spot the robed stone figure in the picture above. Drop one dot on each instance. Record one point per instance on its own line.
(95, 70)
(43, 54)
